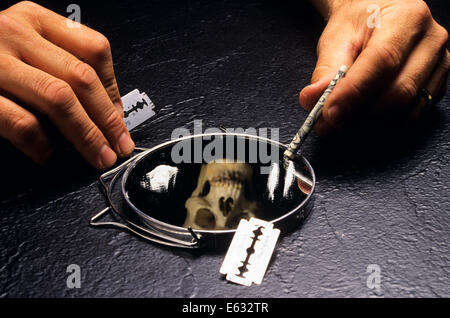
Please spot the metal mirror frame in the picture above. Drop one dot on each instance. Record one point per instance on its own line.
(167, 234)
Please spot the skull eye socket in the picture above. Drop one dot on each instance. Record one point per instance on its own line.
(205, 189)
(205, 218)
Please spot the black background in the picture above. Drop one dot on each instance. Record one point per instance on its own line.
(236, 64)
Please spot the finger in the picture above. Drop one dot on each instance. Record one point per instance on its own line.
(55, 98)
(83, 42)
(53, 60)
(24, 131)
(417, 70)
(436, 85)
(374, 68)
(323, 128)
(334, 49)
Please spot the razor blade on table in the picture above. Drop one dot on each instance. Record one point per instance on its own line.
(250, 252)
(137, 108)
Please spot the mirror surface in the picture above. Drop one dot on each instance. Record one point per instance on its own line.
(211, 182)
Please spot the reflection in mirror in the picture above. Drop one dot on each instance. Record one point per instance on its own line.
(159, 179)
(216, 195)
(224, 195)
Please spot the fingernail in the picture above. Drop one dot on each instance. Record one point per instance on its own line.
(126, 145)
(335, 114)
(107, 157)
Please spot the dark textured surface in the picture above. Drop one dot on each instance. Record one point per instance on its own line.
(237, 64)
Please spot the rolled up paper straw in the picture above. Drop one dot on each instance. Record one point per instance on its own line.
(313, 115)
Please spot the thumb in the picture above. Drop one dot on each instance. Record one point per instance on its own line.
(336, 47)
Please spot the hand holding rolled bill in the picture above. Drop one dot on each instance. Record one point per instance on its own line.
(313, 115)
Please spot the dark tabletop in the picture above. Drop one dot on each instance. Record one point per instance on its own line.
(236, 64)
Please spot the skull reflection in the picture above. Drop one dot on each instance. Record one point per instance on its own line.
(222, 197)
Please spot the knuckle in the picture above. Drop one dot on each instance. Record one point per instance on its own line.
(322, 43)
(4, 20)
(113, 92)
(26, 9)
(320, 70)
(113, 123)
(406, 90)
(56, 92)
(419, 12)
(9, 25)
(90, 136)
(442, 36)
(26, 130)
(27, 5)
(415, 13)
(110, 84)
(7, 63)
(83, 74)
(390, 56)
(100, 46)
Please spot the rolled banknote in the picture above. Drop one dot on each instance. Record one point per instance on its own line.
(313, 115)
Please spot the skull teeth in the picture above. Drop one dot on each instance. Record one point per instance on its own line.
(227, 183)
(230, 177)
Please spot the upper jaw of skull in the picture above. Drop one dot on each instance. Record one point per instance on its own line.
(219, 201)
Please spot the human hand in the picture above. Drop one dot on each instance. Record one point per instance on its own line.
(65, 74)
(391, 60)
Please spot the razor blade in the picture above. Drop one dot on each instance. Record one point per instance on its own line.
(250, 252)
(137, 108)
